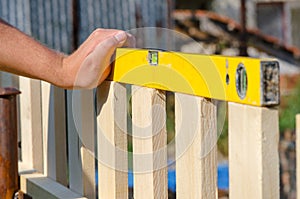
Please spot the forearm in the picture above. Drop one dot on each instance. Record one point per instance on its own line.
(24, 56)
(87, 67)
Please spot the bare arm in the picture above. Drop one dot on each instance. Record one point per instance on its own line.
(87, 67)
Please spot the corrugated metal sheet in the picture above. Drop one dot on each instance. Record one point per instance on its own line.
(16, 12)
(117, 14)
(51, 21)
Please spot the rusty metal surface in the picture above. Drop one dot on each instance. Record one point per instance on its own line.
(243, 37)
(8, 143)
(22, 195)
(8, 91)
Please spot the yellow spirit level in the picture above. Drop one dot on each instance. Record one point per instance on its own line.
(237, 79)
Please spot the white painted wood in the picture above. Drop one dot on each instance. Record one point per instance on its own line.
(31, 123)
(149, 143)
(87, 136)
(74, 142)
(298, 153)
(24, 168)
(39, 186)
(196, 149)
(253, 152)
(48, 132)
(112, 140)
(54, 133)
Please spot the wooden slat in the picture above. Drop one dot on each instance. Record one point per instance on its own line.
(60, 136)
(298, 153)
(149, 143)
(74, 142)
(112, 140)
(39, 186)
(253, 152)
(31, 123)
(196, 137)
(54, 133)
(87, 136)
(48, 135)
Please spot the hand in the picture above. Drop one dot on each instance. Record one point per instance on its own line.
(87, 67)
(90, 64)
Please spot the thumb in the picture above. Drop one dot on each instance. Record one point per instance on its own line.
(120, 38)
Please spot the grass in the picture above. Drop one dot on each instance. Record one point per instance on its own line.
(290, 106)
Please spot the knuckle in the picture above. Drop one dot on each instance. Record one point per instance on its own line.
(97, 32)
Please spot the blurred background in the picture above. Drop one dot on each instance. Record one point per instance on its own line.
(255, 28)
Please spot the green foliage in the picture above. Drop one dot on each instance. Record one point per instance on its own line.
(223, 139)
(222, 127)
(290, 106)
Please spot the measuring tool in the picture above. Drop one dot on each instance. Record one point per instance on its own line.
(236, 79)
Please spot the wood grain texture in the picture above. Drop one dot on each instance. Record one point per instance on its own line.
(253, 152)
(149, 143)
(298, 153)
(196, 138)
(112, 140)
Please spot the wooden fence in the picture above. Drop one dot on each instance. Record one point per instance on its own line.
(79, 150)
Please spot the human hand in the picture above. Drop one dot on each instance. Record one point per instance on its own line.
(90, 64)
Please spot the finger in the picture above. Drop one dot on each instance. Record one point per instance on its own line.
(99, 60)
(97, 37)
(104, 75)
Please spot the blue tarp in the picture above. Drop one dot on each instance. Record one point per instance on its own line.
(223, 178)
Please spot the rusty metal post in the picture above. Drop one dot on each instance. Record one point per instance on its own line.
(243, 37)
(8, 143)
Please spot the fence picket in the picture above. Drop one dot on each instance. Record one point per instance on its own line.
(112, 140)
(149, 143)
(31, 123)
(196, 137)
(253, 152)
(87, 135)
(54, 133)
(74, 142)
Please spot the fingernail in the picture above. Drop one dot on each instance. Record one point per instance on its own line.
(120, 37)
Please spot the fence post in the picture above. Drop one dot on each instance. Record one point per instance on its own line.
(253, 152)
(8, 143)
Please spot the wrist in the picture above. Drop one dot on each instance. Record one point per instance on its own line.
(61, 77)
(64, 75)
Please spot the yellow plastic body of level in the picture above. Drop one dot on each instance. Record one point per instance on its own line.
(237, 79)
